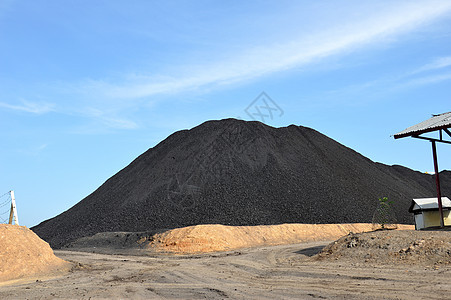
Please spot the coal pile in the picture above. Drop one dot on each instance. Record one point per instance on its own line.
(235, 172)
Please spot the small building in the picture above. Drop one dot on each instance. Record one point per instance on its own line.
(426, 212)
(440, 126)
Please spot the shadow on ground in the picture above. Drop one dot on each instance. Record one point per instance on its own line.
(310, 251)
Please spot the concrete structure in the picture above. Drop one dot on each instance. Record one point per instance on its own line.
(426, 212)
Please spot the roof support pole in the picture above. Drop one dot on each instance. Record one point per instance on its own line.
(437, 183)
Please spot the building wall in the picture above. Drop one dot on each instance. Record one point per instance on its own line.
(431, 219)
(419, 221)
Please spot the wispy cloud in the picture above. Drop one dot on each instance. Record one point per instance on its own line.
(438, 63)
(106, 102)
(424, 80)
(381, 27)
(109, 120)
(34, 150)
(430, 73)
(42, 147)
(30, 107)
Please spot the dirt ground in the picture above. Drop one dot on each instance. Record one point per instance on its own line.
(427, 248)
(268, 272)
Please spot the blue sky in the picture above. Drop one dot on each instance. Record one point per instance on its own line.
(87, 86)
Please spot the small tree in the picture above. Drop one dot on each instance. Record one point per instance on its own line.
(384, 218)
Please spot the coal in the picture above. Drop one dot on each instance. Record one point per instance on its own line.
(235, 172)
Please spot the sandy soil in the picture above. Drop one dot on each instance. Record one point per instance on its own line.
(215, 237)
(270, 272)
(24, 254)
(211, 238)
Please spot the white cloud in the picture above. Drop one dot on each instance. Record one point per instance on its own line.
(381, 27)
(34, 150)
(429, 73)
(109, 119)
(428, 80)
(30, 107)
(42, 147)
(438, 63)
(119, 123)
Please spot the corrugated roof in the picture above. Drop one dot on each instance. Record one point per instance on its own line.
(428, 204)
(435, 123)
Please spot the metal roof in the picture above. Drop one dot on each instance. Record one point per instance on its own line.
(428, 204)
(437, 122)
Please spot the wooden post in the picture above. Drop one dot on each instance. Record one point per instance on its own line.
(13, 211)
(437, 183)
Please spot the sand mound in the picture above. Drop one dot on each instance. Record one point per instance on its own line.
(24, 254)
(210, 238)
(392, 246)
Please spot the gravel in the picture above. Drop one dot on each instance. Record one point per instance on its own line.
(235, 172)
(429, 248)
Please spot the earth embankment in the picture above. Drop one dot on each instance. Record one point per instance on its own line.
(23, 254)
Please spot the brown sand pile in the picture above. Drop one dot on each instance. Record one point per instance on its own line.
(24, 254)
(391, 247)
(210, 238)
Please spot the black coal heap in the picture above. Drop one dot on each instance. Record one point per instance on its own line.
(241, 173)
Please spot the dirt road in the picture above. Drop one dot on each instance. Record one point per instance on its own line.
(276, 272)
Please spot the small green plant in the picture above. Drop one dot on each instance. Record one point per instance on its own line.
(385, 206)
(384, 217)
(385, 200)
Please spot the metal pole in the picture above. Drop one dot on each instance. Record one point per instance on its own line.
(11, 215)
(13, 212)
(437, 183)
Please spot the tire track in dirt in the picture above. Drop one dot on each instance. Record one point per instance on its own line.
(278, 272)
